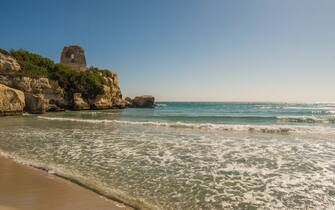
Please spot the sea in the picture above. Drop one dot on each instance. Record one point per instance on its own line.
(188, 155)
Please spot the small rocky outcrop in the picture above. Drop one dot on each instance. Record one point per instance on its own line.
(8, 64)
(79, 103)
(129, 100)
(145, 101)
(36, 103)
(120, 103)
(12, 101)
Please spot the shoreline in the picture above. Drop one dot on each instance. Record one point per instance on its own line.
(28, 187)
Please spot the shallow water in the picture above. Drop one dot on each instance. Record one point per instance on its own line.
(188, 155)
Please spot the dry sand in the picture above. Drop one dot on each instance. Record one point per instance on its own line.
(26, 188)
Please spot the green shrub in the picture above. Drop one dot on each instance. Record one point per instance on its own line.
(25, 56)
(103, 72)
(4, 52)
(32, 70)
(89, 83)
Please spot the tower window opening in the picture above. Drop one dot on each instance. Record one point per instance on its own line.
(72, 57)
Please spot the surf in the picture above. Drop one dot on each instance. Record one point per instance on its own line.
(280, 129)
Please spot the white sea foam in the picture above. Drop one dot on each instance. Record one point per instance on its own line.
(180, 165)
(165, 166)
(280, 129)
(307, 119)
(76, 177)
(161, 105)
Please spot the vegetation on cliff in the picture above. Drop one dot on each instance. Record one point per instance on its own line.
(89, 83)
(48, 86)
(4, 52)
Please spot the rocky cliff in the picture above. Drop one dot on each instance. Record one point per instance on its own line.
(8, 63)
(11, 101)
(43, 94)
(47, 86)
(110, 97)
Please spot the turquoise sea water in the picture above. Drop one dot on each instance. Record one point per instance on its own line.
(188, 155)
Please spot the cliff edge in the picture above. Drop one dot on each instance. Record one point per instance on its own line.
(55, 87)
(48, 86)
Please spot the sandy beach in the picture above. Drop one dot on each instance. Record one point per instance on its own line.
(26, 188)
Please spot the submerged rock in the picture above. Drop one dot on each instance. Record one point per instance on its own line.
(12, 101)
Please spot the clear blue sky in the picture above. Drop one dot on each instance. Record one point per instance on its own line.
(203, 50)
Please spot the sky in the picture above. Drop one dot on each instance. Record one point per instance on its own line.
(189, 50)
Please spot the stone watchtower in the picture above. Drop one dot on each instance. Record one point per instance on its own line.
(74, 56)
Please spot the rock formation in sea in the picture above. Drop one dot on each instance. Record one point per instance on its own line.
(145, 101)
(69, 85)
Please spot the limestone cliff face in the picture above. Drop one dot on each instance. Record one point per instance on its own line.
(111, 98)
(79, 103)
(41, 94)
(12, 101)
(8, 64)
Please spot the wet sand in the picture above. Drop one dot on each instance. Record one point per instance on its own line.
(26, 188)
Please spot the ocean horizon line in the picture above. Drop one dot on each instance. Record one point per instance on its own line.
(232, 101)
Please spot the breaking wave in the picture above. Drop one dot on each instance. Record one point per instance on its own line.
(329, 119)
(307, 119)
(280, 129)
(161, 105)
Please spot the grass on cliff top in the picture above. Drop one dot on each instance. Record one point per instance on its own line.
(4, 52)
(89, 83)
